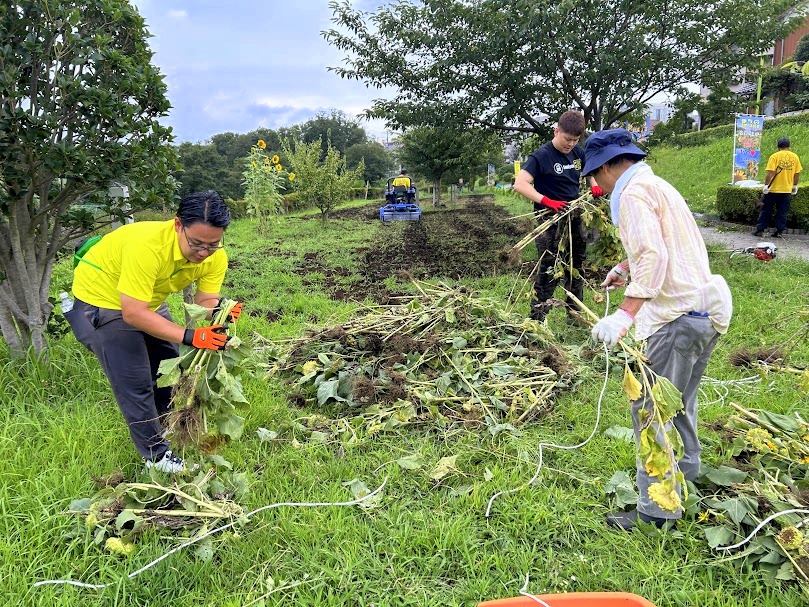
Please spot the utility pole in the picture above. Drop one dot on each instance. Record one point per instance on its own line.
(758, 91)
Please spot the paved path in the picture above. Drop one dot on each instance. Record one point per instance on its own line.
(789, 246)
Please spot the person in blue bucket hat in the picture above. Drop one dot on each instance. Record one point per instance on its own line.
(673, 300)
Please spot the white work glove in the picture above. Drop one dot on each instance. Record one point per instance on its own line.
(612, 328)
(794, 190)
(766, 190)
(615, 278)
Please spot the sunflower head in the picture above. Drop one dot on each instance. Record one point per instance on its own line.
(279, 168)
(266, 161)
(790, 537)
(276, 159)
(292, 176)
(261, 144)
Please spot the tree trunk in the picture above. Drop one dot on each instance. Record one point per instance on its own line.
(26, 264)
(437, 192)
(31, 234)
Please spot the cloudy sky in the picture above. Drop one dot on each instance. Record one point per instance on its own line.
(236, 65)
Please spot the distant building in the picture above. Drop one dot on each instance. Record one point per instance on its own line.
(779, 53)
(659, 112)
(785, 48)
(391, 144)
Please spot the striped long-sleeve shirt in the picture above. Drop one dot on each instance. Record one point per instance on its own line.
(668, 260)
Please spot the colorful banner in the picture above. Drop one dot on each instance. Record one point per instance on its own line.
(747, 147)
(490, 175)
(640, 133)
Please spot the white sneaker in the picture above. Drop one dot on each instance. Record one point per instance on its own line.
(169, 463)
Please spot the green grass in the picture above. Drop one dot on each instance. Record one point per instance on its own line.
(422, 544)
(698, 172)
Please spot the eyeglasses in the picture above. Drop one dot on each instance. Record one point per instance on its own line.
(202, 247)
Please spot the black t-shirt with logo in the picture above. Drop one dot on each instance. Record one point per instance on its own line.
(556, 175)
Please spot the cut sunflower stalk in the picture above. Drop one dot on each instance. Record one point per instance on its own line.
(660, 445)
(207, 389)
(585, 204)
(116, 515)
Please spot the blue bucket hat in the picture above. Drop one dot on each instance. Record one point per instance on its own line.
(603, 146)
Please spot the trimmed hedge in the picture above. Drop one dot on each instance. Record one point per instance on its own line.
(734, 203)
(698, 138)
(237, 208)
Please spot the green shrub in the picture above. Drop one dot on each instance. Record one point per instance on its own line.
(152, 215)
(689, 140)
(698, 138)
(238, 208)
(374, 193)
(292, 202)
(735, 203)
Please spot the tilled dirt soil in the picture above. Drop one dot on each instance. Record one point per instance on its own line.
(455, 242)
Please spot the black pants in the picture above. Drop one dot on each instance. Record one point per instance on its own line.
(130, 359)
(548, 249)
(781, 203)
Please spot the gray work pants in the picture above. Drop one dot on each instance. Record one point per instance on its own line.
(678, 351)
(130, 359)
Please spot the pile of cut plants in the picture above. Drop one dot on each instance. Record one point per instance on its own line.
(207, 399)
(445, 356)
(768, 474)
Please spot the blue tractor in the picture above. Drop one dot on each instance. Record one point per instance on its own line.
(400, 202)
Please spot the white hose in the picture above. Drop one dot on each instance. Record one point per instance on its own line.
(565, 447)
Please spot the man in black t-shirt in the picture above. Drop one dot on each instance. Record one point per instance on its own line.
(550, 178)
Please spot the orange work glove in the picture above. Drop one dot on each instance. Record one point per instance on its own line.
(210, 338)
(235, 312)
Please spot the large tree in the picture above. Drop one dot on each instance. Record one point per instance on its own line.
(79, 109)
(335, 129)
(323, 182)
(432, 153)
(508, 64)
(203, 168)
(378, 161)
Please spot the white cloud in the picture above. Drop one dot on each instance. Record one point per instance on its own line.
(235, 67)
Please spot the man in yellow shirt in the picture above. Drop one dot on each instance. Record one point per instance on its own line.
(780, 185)
(404, 181)
(120, 311)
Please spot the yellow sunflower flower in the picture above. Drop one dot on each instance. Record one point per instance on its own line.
(266, 161)
(275, 159)
(261, 144)
(254, 164)
(310, 366)
(279, 168)
(118, 546)
(292, 176)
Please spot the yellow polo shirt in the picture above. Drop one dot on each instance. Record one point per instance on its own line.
(790, 164)
(402, 180)
(143, 260)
